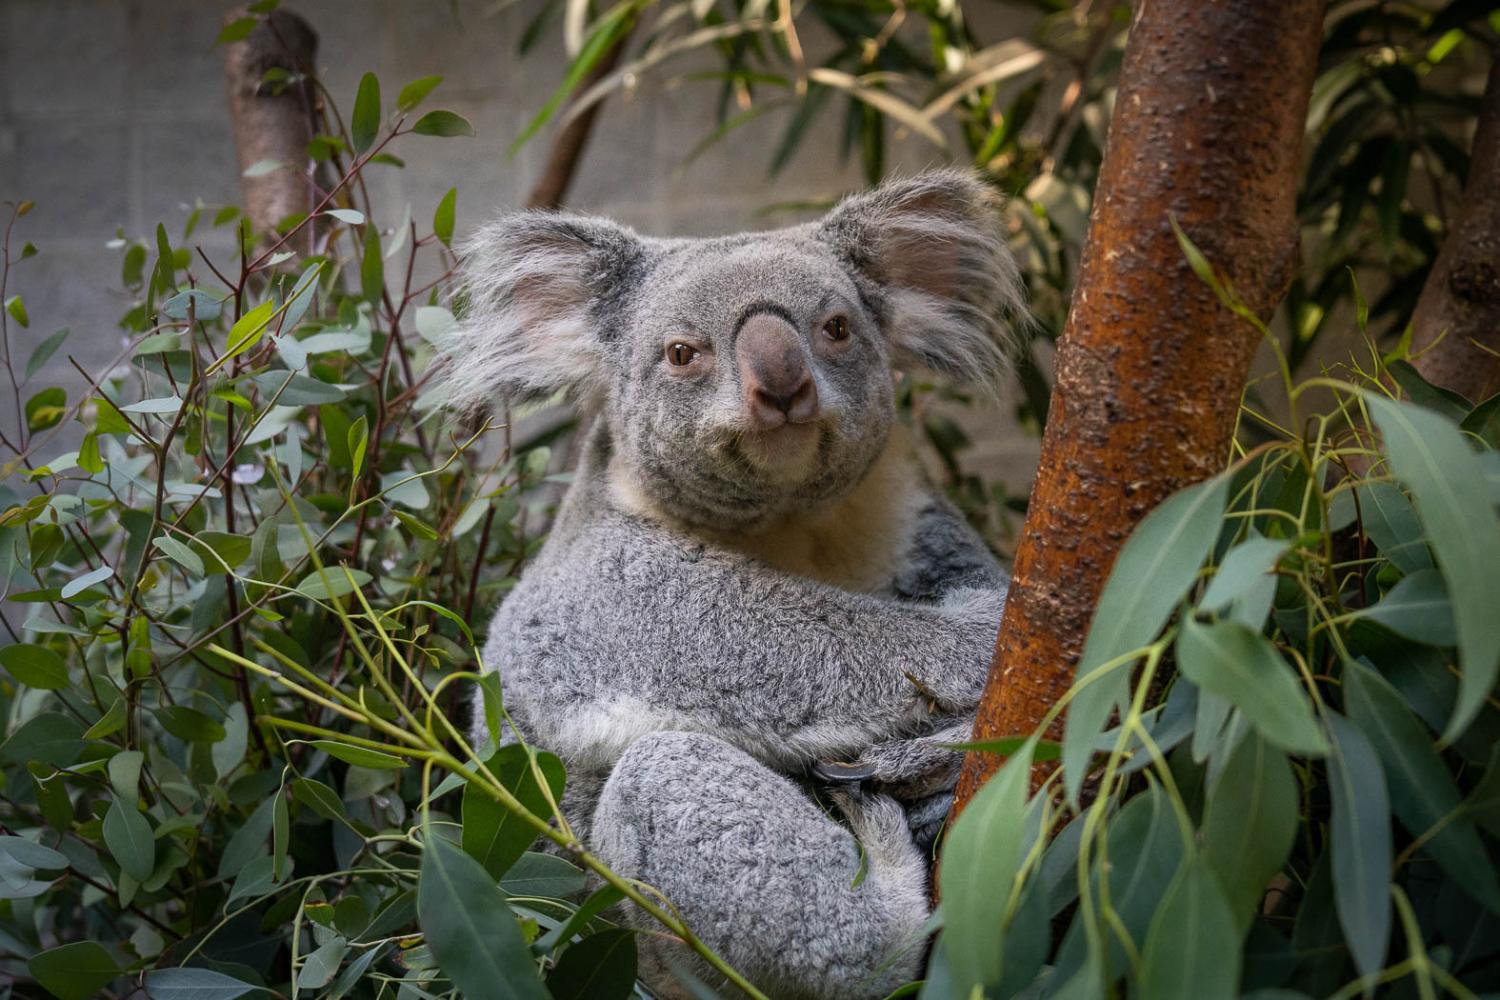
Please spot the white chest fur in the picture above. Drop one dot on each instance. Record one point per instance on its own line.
(854, 542)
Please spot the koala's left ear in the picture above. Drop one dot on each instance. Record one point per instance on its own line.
(541, 296)
(934, 245)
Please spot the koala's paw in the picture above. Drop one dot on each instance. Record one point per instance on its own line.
(925, 818)
(913, 767)
(878, 822)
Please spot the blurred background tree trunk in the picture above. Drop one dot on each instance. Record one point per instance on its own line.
(1456, 326)
(274, 120)
(1207, 129)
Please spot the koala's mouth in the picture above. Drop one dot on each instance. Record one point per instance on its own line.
(787, 454)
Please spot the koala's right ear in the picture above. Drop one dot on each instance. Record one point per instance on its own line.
(539, 292)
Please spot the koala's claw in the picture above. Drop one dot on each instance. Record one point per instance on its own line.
(844, 772)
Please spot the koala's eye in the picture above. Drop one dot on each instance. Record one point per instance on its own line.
(837, 328)
(679, 354)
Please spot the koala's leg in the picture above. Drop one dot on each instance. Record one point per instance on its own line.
(789, 897)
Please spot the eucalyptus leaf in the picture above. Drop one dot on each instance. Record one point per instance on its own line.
(470, 929)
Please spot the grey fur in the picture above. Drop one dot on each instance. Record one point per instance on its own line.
(716, 611)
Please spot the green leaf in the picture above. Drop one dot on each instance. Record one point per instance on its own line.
(49, 737)
(980, 860)
(237, 30)
(75, 971)
(600, 967)
(179, 553)
(1155, 567)
(1249, 824)
(319, 798)
(470, 929)
(17, 310)
(111, 722)
(35, 666)
(44, 351)
(1422, 789)
(361, 756)
(189, 724)
(156, 404)
(30, 854)
(46, 409)
(128, 836)
(1431, 456)
(1418, 608)
(359, 439)
(544, 876)
(372, 269)
(248, 329)
(248, 842)
(1245, 581)
(1360, 843)
(1244, 668)
(125, 774)
(1425, 394)
(1193, 948)
(348, 216)
(291, 389)
(492, 834)
(230, 549)
(609, 31)
(442, 218)
(88, 453)
(443, 123)
(322, 964)
(364, 122)
(412, 94)
(340, 582)
(194, 984)
(79, 584)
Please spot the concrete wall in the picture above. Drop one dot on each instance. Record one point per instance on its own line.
(113, 118)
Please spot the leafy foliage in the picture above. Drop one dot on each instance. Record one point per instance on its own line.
(1306, 803)
(234, 759)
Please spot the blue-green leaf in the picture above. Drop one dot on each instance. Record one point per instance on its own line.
(1193, 948)
(980, 860)
(1242, 667)
(1158, 563)
(1431, 456)
(1360, 832)
(470, 929)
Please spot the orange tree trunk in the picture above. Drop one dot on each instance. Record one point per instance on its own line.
(1207, 129)
(1456, 326)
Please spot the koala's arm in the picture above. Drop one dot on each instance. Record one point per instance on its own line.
(945, 554)
(649, 632)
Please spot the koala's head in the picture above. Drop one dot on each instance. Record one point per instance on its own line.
(741, 376)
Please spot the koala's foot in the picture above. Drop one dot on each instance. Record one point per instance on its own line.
(763, 875)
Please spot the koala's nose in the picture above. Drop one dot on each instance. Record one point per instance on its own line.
(773, 369)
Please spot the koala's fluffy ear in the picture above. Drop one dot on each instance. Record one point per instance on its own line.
(951, 286)
(539, 293)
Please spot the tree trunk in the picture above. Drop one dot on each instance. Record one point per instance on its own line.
(273, 121)
(1456, 326)
(1207, 129)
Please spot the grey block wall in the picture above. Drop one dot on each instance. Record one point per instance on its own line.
(113, 118)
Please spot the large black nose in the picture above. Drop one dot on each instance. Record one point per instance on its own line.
(773, 368)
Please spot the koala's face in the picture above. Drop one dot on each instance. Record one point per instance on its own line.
(754, 377)
(744, 376)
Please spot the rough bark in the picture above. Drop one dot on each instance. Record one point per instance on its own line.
(273, 123)
(1456, 326)
(1207, 129)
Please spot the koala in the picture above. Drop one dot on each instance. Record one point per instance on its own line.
(755, 622)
